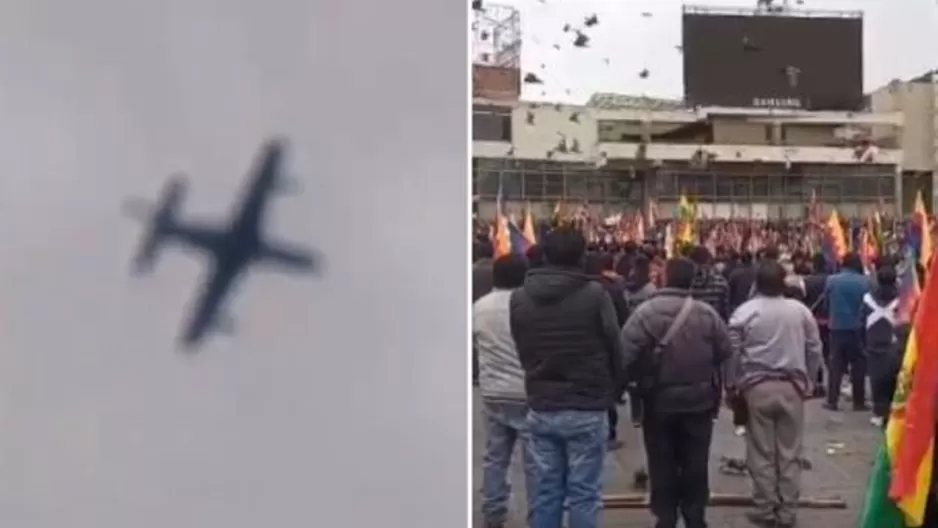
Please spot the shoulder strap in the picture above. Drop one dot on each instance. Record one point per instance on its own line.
(676, 325)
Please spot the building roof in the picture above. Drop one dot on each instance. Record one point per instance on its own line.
(614, 101)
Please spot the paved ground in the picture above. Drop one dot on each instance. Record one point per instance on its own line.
(842, 473)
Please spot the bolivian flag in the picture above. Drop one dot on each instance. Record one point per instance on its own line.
(898, 488)
(685, 216)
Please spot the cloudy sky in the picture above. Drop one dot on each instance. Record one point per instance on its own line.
(896, 43)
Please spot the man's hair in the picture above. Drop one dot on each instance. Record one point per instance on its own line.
(745, 257)
(535, 256)
(679, 273)
(770, 278)
(852, 261)
(886, 276)
(700, 255)
(508, 271)
(564, 247)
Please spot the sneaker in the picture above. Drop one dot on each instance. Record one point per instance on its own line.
(740, 430)
(876, 421)
(761, 519)
(861, 407)
(830, 406)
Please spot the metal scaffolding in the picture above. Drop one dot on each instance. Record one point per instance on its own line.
(496, 36)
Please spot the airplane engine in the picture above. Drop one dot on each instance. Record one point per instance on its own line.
(162, 221)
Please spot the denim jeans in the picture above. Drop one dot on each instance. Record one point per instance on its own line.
(568, 449)
(504, 425)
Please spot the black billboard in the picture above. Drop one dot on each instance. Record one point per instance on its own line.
(771, 60)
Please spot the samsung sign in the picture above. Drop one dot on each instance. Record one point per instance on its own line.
(776, 102)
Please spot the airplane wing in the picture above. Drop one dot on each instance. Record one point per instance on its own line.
(288, 256)
(205, 314)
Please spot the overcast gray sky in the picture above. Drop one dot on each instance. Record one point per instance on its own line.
(896, 43)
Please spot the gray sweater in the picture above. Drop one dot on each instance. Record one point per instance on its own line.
(773, 338)
(500, 375)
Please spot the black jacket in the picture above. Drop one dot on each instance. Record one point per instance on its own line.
(616, 290)
(565, 329)
(740, 285)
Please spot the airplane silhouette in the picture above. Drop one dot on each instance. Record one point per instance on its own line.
(232, 248)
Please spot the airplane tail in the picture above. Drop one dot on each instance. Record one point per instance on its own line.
(289, 257)
(161, 221)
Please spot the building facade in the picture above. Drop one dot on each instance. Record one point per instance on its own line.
(617, 153)
(917, 101)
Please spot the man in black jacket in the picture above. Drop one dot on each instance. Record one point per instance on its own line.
(600, 266)
(740, 281)
(565, 329)
(675, 347)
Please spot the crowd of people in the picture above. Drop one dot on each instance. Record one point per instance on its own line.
(570, 330)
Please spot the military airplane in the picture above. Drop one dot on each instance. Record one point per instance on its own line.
(232, 247)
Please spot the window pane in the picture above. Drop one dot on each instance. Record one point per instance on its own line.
(511, 185)
(776, 184)
(887, 186)
(533, 185)
(724, 187)
(553, 185)
(666, 184)
(741, 186)
(706, 185)
(575, 186)
(487, 183)
(596, 187)
(760, 187)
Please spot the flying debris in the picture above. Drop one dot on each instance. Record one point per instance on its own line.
(477, 5)
(606, 60)
(581, 40)
(486, 57)
(531, 78)
(484, 35)
(562, 145)
(679, 48)
(556, 46)
(646, 14)
(575, 117)
(511, 151)
(591, 20)
(643, 74)
(575, 147)
(566, 28)
(550, 154)
(529, 118)
(543, 66)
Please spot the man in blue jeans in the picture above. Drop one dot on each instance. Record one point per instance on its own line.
(844, 292)
(565, 329)
(501, 384)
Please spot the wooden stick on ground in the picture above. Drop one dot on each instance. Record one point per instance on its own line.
(633, 501)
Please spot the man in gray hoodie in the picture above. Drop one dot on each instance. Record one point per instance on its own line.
(776, 356)
(501, 382)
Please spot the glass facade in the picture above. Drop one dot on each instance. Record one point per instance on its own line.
(783, 192)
